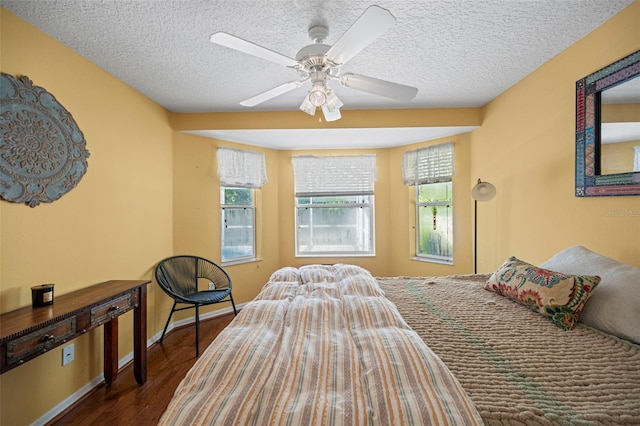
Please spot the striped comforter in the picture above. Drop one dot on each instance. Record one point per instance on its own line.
(320, 345)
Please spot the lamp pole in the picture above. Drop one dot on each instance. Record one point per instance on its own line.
(475, 236)
(483, 191)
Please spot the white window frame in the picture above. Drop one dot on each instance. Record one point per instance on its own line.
(223, 223)
(431, 164)
(318, 178)
(367, 202)
(240, 169)
(448, 203)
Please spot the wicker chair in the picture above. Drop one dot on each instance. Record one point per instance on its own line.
(187, 280)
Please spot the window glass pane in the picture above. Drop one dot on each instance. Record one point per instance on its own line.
(440, 191)
(436, 231)
(238, 223)
(237, 233)
(236, 196)
(335, 225)
(435, 221)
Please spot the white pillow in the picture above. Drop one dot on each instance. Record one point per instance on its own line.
(614, 305)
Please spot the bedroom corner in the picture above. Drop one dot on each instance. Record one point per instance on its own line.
(115, 224)
(526, 148)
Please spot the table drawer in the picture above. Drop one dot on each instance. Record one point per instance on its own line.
(111, 309)
(21, 348)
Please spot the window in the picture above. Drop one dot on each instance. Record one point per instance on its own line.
(434, 219)
(241, 173)
(340, 225)
(430, 170)
(238, 224)
(334, 205)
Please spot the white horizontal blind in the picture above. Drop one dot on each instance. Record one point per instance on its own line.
(334, 175)
(240, 168)
(428, 165)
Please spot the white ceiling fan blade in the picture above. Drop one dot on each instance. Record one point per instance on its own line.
(331, 115)
(236, 43)
(379, 87)
(272, 93)
(369, 26)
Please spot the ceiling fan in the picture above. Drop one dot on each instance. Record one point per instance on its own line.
(320, 63)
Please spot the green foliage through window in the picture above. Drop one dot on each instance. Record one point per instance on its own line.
(434, 230)
(237, 196)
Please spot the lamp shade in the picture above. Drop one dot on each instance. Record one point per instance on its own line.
(317, 95)
(483, 191)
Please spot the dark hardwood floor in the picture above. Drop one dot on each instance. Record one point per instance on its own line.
(127, 403)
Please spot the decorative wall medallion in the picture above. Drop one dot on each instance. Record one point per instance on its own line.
(43, 153)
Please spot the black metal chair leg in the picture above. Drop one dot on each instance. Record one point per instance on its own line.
(197, 331)
(233, 305)
(168, 319)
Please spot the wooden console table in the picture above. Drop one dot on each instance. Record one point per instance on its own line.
(29, 332)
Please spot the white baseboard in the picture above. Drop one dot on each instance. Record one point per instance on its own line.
(68, 402)
(80, 393)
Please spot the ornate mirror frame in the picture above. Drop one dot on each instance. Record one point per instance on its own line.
(589, 182)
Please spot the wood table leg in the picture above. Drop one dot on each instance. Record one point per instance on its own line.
(140, 338)
(111, 351)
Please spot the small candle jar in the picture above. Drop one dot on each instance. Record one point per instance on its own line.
(42, 295)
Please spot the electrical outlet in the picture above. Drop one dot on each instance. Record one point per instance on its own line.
(67, 355)
(212, 286)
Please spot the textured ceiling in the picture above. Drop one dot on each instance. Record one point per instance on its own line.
(458, 53)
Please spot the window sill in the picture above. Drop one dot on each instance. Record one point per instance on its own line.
(328, 255)
(241, 261)
(431, 260)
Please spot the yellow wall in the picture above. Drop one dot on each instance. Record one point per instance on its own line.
(525, 147)
(350, 119)
(115, 224)
(402, 215)
(620, 113)
(617, 157)
(197, 213)
(151, 191)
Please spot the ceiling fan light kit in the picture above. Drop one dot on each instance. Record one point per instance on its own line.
(331, 115)
(333, 102)
(320, 63)
(318, 93)
(307, 106)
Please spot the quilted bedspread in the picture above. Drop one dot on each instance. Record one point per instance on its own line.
(320, 345)
(517, 366)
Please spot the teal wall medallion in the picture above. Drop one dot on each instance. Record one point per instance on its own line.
(43, 153)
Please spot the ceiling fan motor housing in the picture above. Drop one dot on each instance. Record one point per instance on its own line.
(318, 33)
(312, 56)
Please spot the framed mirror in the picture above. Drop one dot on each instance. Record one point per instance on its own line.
(608, 130)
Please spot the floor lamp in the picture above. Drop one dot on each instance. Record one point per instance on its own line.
(483, 191)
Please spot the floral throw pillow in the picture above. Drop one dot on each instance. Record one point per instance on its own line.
(560, 297)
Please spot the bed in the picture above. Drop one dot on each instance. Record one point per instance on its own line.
(319, 345)
(330, 344)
